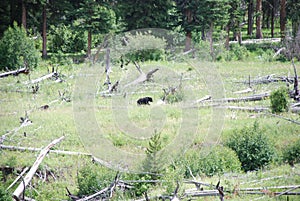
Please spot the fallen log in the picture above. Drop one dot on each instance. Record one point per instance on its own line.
(50, 75)
(32, 149)
(15, 72)
(18, 194)
(257, 97)
(143, 76)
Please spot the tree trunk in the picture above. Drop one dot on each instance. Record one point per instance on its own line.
(273, 12)
(24, 14)
(188, 40)
(282, 18)
(44, 51)
(210, 35)
(259, 19)
(227, 37)
(250, 17)
(89, 47)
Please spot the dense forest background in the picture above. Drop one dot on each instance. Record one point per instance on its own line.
(77, 26)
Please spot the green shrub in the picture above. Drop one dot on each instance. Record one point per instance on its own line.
(279, 100)
(292, 153)
(240, 52)
(144, 47)
(64, 39)
(4, 195)
(92, 178)
(209, 162)
(252, 147)
(17, 49)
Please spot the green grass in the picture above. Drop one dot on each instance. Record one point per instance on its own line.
(58, 120)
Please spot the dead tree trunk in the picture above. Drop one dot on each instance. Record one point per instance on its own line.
(24, 70)
(296, 89)
(17, 195)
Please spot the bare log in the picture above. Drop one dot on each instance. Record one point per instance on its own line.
(21, 188)
(257, 97)
(24, 70)
(249, 109)
(50, 75)
(287, 191)
(143, 76)
(17, 148)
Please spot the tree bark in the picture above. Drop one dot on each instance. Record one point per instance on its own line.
(282, 18)
(188, 40)
(24, 14)
(44, 48)
(250, 17)
(259, 34)
(89, 44)
(273, 12)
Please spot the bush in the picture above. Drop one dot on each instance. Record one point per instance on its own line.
(292, 153)
(17, 49)
(144, 47)
(279, 100)
(90, 179)
(210, 162)
(252, 147)
(66, 40)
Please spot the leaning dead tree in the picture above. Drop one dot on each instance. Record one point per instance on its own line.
(143, 76)
(19, 193)
(24, 70)
(296, 94)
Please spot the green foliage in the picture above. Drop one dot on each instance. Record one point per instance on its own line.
(209, 162)
(144, 47)
(17, 49)
(240, 52)
(279, 100)
(146, 14)
(291, 154)
(66, 40)
(252, 147)
(4, 195)
(91, 179)
(153, 159)
(174, 97)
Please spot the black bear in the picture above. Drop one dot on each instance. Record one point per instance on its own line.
(144, 101)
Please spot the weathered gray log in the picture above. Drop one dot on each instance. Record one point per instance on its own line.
(50, 75)
(17, 148)
(267, 187)
(288, 191)
(21, 188)
(256, 97)
(15, 72)
(143, 76)
(249, 109)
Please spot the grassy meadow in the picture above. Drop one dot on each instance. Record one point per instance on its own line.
(128, 127)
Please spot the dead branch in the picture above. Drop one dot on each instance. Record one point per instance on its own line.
(287, 191)
(32, 149)
(21, 188)
(282, 117)
(25, 121)
(17, 179)
(50, 75)
(143, 77)
(24, 70)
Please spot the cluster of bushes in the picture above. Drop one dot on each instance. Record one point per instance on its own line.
(246, 149)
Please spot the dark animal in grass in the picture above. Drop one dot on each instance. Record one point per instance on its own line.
(144, 101)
